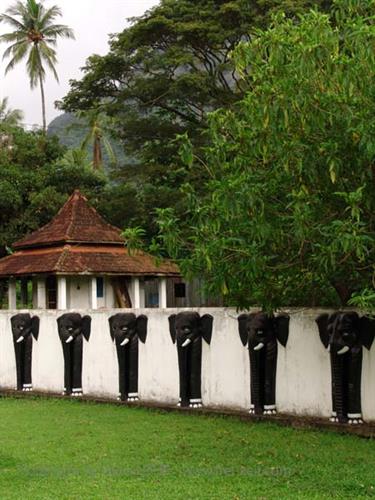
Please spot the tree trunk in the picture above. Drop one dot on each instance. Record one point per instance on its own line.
(43, 104)
(97, 160)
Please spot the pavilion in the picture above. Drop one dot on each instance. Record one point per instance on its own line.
(80, 261)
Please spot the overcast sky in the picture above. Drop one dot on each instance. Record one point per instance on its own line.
(92, 21)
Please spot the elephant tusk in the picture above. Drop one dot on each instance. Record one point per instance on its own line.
(125, 341)
(187, 342)
(343, 350)
(69, 339)
(329, 348)
(259, 346)
(20, 339)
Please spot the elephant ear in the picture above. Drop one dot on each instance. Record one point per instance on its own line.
(367, 331)
(86, 327)
(35, 322)
(142, 327)
(60, 321)
(172, 327)
(110, 321)
(282, 328)
(206, 327)
(242, 330)
(322, 322)
(13, 320)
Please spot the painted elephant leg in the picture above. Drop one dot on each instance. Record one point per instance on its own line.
(133, 369)
(334, 410)
(67, 351)
(77, 366)
(257, 363)
(195, 374)
(183, 368)
(339, 386)
(19, 353)
(270, 378)
(27, 360)
(121, 355)
(354, 387)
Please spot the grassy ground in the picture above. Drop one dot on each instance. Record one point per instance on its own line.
(67, 449)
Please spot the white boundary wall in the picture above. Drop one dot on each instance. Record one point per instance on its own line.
(303, 384)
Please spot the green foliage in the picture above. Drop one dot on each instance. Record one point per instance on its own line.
(36, 180)
(9, 117)
(287, 216)
(161, 77)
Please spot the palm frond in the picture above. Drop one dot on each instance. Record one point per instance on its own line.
(109, 150)
(12, 21)
(57, 30)
(50, 14)
(34, 67)
(17, 50)
(13, 37)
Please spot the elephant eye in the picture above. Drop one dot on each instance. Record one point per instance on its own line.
(70, 328)
(21, 328)
(346, 335)
(260, 332)
(187, 330)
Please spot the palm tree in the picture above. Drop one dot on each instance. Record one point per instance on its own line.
(96, 135)
(33, 38)
(9, 117)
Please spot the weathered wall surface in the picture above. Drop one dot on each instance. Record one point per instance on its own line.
(303, 374)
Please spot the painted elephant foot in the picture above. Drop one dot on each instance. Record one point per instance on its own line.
(132, 397)
(27, 387)
(182, 404)
(355, 418)
(334, 419)
(269, 410)
(195, 403)
(76, 393)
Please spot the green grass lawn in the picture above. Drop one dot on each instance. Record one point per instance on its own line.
(69, 449)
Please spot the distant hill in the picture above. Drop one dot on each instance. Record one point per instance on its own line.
(71, 131)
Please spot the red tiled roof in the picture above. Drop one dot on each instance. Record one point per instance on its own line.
(76, 222)
(83, 259)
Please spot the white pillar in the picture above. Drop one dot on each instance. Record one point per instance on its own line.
(12, 296)
(136, 293)
(94, 297)
(162, 285)
(61, 292)
(39, 296)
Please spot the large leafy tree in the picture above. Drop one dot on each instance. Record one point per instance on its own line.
(161, 77)
(288, 212)
(37, 175)
(33, 38)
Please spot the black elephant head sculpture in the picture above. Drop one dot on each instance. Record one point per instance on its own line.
(187, 330)
(72, 327)
(126, 330)
(344, 334)
(260, 333)
(24, 328)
